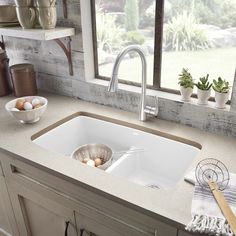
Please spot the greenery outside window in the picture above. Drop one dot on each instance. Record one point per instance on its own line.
(196, 34)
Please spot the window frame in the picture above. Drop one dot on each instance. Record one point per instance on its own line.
(157, 50)
(158, 39)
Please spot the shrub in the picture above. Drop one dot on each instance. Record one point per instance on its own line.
(135, 37)
(109, 34)
(182, 33)
(146, 13)
(131, 15)
(220, 13)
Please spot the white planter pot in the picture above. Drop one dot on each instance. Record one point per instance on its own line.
(221, 99)
(203, 96)
(186, 93)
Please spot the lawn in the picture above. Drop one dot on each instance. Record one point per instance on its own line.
(215, 62)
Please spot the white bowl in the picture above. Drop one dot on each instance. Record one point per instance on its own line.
(27, 117)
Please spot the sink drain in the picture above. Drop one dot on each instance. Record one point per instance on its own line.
(153, 186)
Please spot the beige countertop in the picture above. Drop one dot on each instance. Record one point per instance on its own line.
(172, 203)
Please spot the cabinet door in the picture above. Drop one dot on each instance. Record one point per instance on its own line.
(90, 222)
(88, 227)
(39, 216)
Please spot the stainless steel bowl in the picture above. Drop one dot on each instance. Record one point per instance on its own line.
(93, 151)
(8, 13)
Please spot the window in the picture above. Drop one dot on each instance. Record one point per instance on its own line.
(196, 34)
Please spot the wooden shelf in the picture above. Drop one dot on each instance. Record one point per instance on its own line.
(37, 34)
(43, 35)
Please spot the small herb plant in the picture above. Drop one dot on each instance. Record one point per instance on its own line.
(186, 79)
(204, 83)
(221, 86)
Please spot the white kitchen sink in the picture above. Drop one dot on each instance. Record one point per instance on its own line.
(159, 161)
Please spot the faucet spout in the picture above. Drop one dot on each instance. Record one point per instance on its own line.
(113, 84)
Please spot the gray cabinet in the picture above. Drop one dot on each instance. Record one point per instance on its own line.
(36, 210)
(44, 202)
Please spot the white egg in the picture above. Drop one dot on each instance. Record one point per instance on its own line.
(91, 163)
(14, 109)
(28, 106)
(86, 160)
(35, 102)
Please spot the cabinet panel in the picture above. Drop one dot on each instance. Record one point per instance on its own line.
(89, 227)
(101, 227)
(44, 221)
(7, 219)
(102, 224)
(39, 216)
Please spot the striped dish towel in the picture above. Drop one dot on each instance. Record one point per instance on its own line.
(206, 214)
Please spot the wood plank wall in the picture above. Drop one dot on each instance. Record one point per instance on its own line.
(51, 65)
(48, 58)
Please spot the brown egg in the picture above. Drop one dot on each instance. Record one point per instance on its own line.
(37, 106)
(98, 162)
(20, 104)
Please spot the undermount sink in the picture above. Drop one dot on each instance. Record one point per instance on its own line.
(141, 155)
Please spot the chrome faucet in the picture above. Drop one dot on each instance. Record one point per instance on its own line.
(113, 84)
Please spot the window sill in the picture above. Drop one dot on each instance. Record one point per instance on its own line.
(160, 95)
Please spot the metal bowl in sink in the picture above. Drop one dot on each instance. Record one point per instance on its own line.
(92, 152)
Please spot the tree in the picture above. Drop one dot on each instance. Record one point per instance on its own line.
(143, 6)
(131, 15)
(113, 6)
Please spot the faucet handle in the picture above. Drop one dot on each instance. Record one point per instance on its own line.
(152, 110)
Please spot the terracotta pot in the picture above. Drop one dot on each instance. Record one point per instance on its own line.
(221, 100)
(203, 96)
(186, 93)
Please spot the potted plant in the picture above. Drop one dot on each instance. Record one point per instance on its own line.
(203, 90)
(186, 85)
(222, 89)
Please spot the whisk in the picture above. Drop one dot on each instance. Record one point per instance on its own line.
(213, 174)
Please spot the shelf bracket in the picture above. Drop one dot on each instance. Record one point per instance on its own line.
(2, 43)
(67, 51)
(65, 9)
